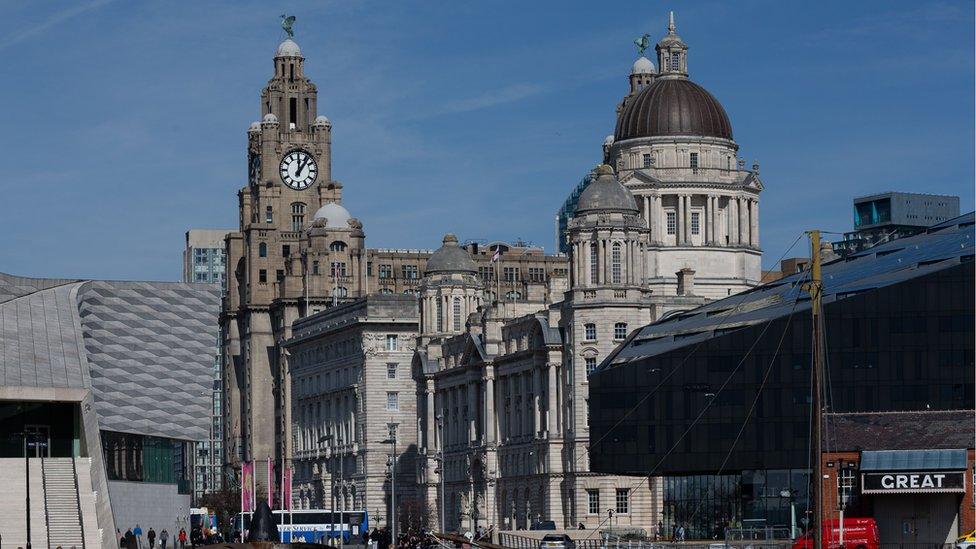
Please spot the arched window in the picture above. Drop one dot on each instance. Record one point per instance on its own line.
(514, 294)
(298, 216)
(615, 269)
(594, 264)
(262, 250)
(338, 246)
(457, 314)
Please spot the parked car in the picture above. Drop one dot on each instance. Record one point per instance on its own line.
(859, 533)
(556, 541)
(543, 525)
(967, 542)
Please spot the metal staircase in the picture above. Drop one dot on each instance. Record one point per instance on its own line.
(61, 503)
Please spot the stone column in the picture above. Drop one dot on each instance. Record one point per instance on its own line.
(472, 411)
(490, 423)
(679, 231)
(536, 402)
(513, 429)
(551, 426)
(429, 437)
(713, 217)
(754, 222)
(743, 221)
(688, 219)
(733, 215)
(648, 205)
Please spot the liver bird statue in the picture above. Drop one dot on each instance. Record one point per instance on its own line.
(287, 22)
(642, 43)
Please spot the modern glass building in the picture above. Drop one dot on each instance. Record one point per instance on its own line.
(717, 399)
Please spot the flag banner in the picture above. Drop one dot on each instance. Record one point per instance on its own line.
(271, 486)
(286, 488)
(247, 486)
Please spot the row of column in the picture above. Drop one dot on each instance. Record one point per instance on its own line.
(488, 419)
(446, 319)
(741, 216)
(315, 423)
(631, 268)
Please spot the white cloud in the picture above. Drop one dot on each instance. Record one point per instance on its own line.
(52, 21)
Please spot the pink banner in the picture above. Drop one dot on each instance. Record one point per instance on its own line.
(247, 487)
(271, 486)
(286, 488)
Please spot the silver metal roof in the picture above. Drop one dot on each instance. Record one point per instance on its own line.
(940, 247)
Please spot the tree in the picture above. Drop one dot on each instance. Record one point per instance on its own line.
(413, 515)
(226, 503)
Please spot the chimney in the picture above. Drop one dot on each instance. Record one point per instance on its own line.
(686, 281)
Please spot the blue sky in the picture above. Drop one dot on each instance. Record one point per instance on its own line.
(125, 121)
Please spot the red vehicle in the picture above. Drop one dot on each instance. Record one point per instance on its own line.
(859, 533)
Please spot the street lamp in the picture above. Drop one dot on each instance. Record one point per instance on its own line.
(30, 441)
(392, 439)
(441, 469)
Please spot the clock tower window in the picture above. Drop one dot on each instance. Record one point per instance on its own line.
(262, 250)
(292, 112)
(268, 215)
(297, 216)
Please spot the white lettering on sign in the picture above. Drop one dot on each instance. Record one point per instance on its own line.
(912, 481)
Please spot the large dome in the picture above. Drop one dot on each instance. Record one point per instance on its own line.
(673, 106)
(451, 258)
(606, 193)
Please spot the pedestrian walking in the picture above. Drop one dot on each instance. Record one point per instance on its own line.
(151, 537)
(130, 540)
(181, 537)
(138, 534)
(163, 538)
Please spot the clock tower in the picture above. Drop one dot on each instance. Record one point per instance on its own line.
(273, 260)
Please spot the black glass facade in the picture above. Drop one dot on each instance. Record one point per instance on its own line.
(145, 459)
(905, 346)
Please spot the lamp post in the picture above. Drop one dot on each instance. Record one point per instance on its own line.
(392, 439)
(440, 451)
(30, 440)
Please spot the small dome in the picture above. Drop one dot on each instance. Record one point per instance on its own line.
(288, 48)
(643, 66)
(451, 258)
(605, 193)
(270, 118)
(255, 127)
(335, 215)
(321, 121)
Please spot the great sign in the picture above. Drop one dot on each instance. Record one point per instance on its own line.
(913, 483)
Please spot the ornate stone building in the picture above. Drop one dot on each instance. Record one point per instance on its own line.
(673, 148)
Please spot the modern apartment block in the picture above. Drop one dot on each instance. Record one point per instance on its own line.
(888, 216)
(204, 260)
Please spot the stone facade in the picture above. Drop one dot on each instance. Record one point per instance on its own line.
(350, 377)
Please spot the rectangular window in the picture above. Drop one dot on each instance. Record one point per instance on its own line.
(589, 332)
(315, 267)
(594, 264)
(386, 271)
(286, 250)
(456, 312)
(695, 223)
(440, 315)
(486, 273)
(511, 274)
(297, 216)
(391, 370)
(268, 215)
(672, 221)
(391, 342)
(537, 274)
(590, 365)
(409, 272)
(593, 502)
(693, 161)
(393, 401)
(280, 275)
(647, 161)
(623, 500)
(675, 63)
(338, 268)
(263, 276)
(620, 330)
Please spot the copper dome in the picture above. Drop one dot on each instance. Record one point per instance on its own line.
(673, 106)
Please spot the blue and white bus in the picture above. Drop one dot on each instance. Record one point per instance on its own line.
(314, 525)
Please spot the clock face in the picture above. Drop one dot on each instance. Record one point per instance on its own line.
(298, 169)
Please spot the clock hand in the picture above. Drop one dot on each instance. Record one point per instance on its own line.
(301, 167)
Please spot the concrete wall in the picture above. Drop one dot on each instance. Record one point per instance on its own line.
(149, 505)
